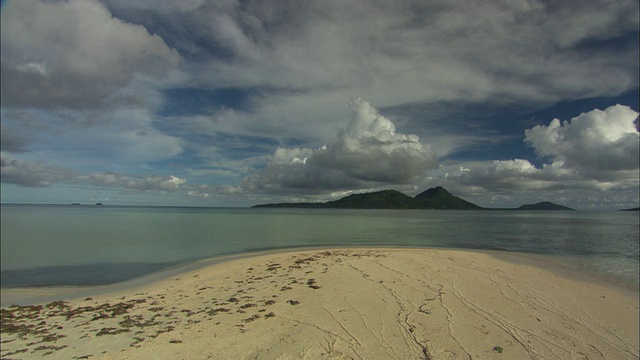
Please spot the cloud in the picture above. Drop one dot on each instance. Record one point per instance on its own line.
(80, 86)
(75, 54)
(33, 174)
(112, 138)
(111, 85)
(297, 63)
(596, 144)
(11, 142)
(499, 51)
(207, 190)
(130, 136)
(505, 176)
(132, 182)
(597, 150)
(368, 151)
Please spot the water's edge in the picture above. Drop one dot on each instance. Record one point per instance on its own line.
(44, 294)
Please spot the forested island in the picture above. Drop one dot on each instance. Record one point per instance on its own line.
(437, 198)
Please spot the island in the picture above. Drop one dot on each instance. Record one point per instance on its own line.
(437, 198)
(545, 205)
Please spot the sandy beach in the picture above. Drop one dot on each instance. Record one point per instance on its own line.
(340, 304)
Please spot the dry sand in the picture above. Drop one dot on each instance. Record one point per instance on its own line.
(340, 304)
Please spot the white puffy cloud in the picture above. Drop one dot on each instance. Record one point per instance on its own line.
(501, 176)
(300, 61)
(597, 150)
(75, 54)
(367, 151)
(597, 144)
(94, 71)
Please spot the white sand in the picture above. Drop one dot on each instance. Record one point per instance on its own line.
(341, 304)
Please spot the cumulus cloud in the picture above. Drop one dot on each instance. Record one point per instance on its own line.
(367, 151)
(593, 143)
(80, 86)
(501, 176)
(90, 74)
(597, 150)
(299, 62)
(75, 54)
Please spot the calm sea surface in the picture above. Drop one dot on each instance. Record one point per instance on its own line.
(87, 245)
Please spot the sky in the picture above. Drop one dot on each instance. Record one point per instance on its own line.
(236, 103)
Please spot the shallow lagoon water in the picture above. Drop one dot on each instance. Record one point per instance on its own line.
(91, 245)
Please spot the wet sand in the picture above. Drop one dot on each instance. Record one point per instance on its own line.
(340, 304)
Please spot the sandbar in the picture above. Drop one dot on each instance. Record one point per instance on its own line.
(339, 304)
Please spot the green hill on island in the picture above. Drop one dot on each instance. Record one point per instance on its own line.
(439, 198)
(545, 205)
(385, 199)
(434, 198)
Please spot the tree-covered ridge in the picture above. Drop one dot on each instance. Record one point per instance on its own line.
(434, 198)
(544, 205)
(439, 198)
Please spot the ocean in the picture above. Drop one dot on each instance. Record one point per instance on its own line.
(46, 245)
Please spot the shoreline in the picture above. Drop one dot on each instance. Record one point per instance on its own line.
(374, 303)
(559, 265)
(29, 295)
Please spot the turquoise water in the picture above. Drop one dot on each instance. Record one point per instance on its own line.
(87, 245)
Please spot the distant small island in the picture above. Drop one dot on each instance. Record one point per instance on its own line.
(545, 205)
(632, 209)
(437, 198)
